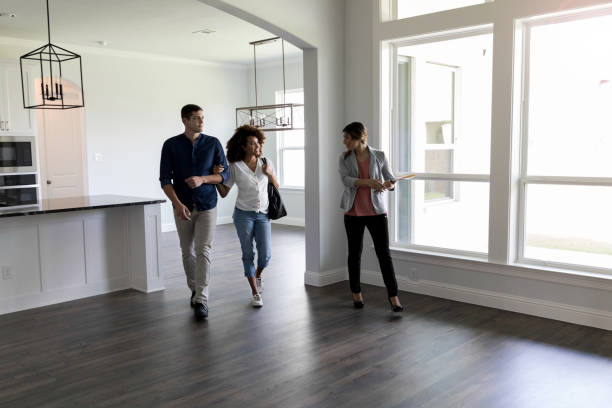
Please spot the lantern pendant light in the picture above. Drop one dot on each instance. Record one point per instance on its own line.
(270, 118)
(53, 62)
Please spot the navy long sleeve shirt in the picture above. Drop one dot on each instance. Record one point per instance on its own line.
(180, 159)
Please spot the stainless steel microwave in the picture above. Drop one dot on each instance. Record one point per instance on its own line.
(17, 154)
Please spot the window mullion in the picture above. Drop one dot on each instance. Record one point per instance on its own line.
(581, 181)
(500, 196)
(447, 176)
(520, 213)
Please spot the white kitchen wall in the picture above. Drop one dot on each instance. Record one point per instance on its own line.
(132, 104)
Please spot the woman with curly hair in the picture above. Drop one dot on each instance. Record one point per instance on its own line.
(251, 175)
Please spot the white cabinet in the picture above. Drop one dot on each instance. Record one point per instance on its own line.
(14, 118)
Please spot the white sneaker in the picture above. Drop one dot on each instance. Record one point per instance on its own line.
(259, 283)
(257, 301)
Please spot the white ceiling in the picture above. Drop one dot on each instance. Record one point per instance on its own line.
(150, 26)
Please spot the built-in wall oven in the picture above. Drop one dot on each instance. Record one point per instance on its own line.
(17, 154)
(19, 186)
(18, 190)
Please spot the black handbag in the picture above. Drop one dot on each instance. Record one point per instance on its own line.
(276, 208)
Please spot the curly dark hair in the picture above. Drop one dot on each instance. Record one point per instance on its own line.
(235, 146)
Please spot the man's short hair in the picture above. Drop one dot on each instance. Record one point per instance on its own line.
(189, 110)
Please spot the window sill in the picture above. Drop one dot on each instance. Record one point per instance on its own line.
(292, 189)
(587, 279)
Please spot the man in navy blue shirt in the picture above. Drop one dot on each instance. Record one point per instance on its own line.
(187, 179)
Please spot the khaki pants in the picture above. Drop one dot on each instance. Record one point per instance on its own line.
(196, 237)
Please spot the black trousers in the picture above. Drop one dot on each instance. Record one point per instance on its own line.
(379, 230)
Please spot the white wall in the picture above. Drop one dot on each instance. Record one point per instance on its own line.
(358, 76)
(132, 104)
(269, 80)
(579, 297)
(133, 122)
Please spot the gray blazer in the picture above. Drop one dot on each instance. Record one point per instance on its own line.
(349, 173)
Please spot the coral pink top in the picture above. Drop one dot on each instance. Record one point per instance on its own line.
(363, 199)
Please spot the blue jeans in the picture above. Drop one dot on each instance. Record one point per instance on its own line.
(249, 225)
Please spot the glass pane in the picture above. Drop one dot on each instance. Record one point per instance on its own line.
(15, 154)
(292, 96)
(18, 196)
(438, 190)
(439, 132)
(411, 8)
(439, 161)
(444, 98)
(457, 219)
(293, 168)
(292, 138)
(17, 180)
(298, 117)
(569, 224)
(570, 99)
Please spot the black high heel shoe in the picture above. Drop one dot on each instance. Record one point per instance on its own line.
(394, 308)
(358, 304)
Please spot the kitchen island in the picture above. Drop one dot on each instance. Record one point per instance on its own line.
(70, 248)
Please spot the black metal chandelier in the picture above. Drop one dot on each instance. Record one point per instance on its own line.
(270, 118)
(54, 62)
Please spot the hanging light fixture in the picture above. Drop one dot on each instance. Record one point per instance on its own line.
(54, 62)
(269, 118)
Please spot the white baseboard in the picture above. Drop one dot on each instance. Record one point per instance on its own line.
(63, 295)
(295, 221)
(326, 277)
(170, 226)
(535, 307)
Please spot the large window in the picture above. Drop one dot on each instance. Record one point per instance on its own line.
(290, 144)
(566, 168)
(443, 133)
(518, 169)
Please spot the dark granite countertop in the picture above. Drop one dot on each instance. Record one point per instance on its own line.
(58, 205)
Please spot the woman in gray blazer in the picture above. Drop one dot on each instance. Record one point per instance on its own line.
(366, 176)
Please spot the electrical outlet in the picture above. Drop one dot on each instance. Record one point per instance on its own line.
(7, 273)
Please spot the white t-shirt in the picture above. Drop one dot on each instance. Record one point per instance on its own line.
(252, 186)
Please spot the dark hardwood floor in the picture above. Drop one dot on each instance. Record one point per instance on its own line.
(307, 347)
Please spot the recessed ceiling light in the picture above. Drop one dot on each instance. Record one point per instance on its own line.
(204, 31)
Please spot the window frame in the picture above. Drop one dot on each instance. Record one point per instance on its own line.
(394, 142)
(389, 10)
(280, 148)
(524, 179)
